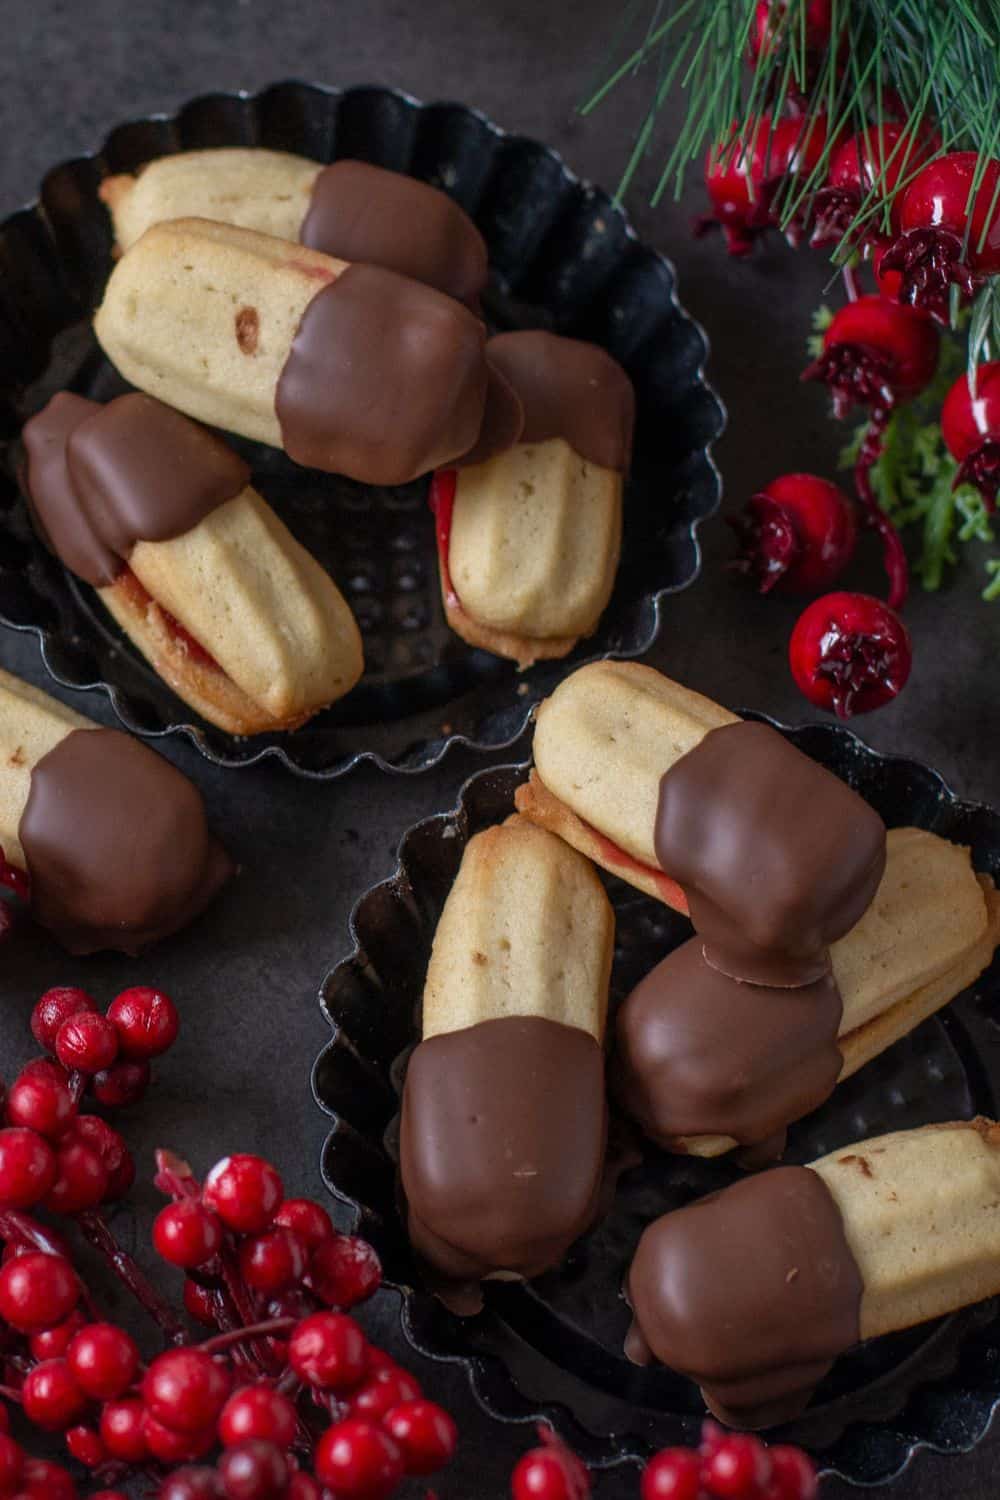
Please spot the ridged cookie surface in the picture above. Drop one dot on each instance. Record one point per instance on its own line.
(31, 724)
(527, 930)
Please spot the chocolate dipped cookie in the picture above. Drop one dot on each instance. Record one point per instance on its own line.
(158, 515)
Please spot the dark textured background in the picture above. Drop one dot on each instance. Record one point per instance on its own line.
(246, 977)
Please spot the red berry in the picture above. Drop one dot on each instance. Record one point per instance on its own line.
(87, 1042)
(798, 534)
(45, 1481)
(875, 158)
(187, 1234)
(86, 1447)
(105, 1142)
(275, 1260)
(172, 1447)
(37, 1291)
(359, 1461)
(52, 1343)
(674, 1474)
(328, 1350)
(550, 1473)
(257, 1411)
(51, 1397)
(345, 1271)
(191, 1483)
(81, 1179)
(199, 1302)
(310, 1220)
(122, 1084)
(146, 1021)
(382, 1391)
(185, 1390)
(970, 426)
(793, 1475)
(874, 353)
(426, 1435)
(738, 1468)
(122, 1430)
(55, 1007)
(940, 242)
(41, 1100)
(254, 1470)
(11, 1464)
(743, 176)
(850, 653)
(245, 1191)
(27, 1168)
(769, 20)
(303, 1487)
(104, 1361)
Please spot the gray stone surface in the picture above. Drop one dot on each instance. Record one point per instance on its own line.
(247, 977)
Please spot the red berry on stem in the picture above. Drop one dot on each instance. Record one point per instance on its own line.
(940, 242)
(11, 1464)
(245, 1191)
(769, 20)
(81, 1179)
(257, 1411)
(146, 1021)
(850, 653)
(330, 1351)
(122, 1084)
(798, 534)
(185, 1389)
(122, 1430)
(738, 1468)
(27, 1168)
(426, 1435)
(42, 1100)
(873, 160)
(382, 1391)
(254, 1470)
(52, 1343)
(272, 1261)
(199, 1302)
(104, 1361)
(46, 1481)
(87, 1042)
(359, 1461)
(303, 1487)
(191, 1483)
(37, 1291)
(55, 1007)
(970, 425)
(345, 1271)
(874, 353)
(172, 1447)
(51, 1397)
(310, 1220)
(674, 1474)
(86, 1447)
(793, 1475)
(744, 175)
(187, 1234)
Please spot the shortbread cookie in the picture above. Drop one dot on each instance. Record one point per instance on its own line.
(111, 836)
(351, 369)
(705, 1063)
(352, 210)
(776, 858)
(754, 1291)
(529, 539)
(158, 515)
(504, 1117)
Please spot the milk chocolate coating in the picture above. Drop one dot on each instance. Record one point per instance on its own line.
(116, 844)
(364, 213)
(571, 390)
(777, 857)
(502, 1143)
(753, 1292)
(132, 471)
(386, 379)
(702, 1054)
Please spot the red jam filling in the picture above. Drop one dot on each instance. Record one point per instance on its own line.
(141, 598)
(444, 483)
(611, 854)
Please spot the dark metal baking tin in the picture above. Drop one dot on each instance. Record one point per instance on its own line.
(563, 256)
(552, 1349)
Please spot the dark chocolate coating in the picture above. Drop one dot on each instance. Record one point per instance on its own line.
(572, 390)
(753, 1292)
(132, 471)
(116, 843)
(702, 1054)
(778, 858)
(386, 379)
(363, 213)
(503, 1136)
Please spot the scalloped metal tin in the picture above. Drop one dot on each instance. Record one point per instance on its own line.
(551, 1350)
(563, 256)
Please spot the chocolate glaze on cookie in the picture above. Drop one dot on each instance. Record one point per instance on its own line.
(777, 857)
(571, 390)
(502, 1146)
(116, 844)
(702, 1054)
(753, 1292)
(386, 379)
(132, 471)
(363, 213)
